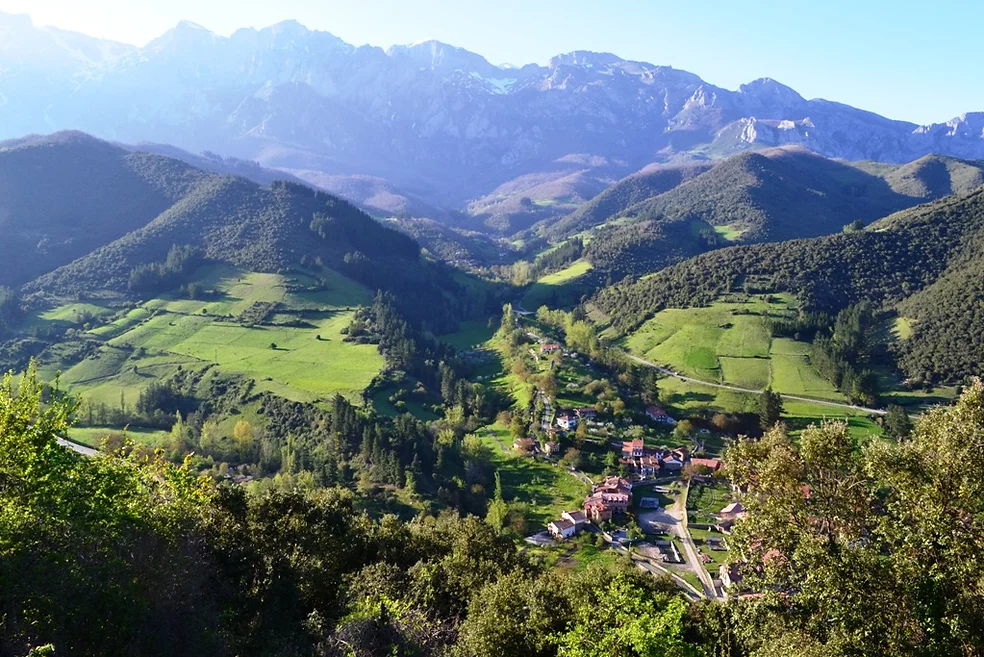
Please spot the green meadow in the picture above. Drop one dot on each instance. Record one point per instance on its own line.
(557, 289)
(730, 342)
(297, 351)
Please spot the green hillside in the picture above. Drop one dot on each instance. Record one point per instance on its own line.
(154, 340)
(100, 213)
(65, 195)
(627, 192)
(923, 263)
(773, 195)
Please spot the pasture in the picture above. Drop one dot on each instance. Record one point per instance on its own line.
(730, 342)
(557, 289)
(297, 350)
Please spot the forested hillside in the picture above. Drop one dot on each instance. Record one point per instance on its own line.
(920, 262)
(621, 196)
(63, 196)
(767, 196)
(85, 218)
(127, 554)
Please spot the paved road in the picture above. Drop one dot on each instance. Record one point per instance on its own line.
(648, 565)
(722, 386)
(547, 412)
(672, 518)
(693, 558)
(583, 478)
(81, 449)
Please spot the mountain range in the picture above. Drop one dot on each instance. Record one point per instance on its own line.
(427, 125)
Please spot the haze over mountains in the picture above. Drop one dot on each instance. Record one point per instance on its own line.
(427, 124)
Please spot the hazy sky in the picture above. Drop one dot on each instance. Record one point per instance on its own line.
(906, 59)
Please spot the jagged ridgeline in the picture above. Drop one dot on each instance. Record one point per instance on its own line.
(84, 218)
(925, 264)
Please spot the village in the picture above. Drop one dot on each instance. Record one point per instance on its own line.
(656, 493)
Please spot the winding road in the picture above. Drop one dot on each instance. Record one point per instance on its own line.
(724, 386)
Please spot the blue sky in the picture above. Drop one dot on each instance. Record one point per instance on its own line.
(918, 61)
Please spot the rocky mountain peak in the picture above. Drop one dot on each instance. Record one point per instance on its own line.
(585, 59)
(767, 90)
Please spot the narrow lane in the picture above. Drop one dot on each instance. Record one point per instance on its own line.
(723, 386)
(76, 447)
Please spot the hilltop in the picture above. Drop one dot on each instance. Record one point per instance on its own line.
(82, 215)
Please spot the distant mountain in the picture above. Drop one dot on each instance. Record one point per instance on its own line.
(925, 263)
(624, 194)
(229, 166)
(79, 216)
(765, 196)
(429, 117)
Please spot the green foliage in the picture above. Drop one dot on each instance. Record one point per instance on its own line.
(897, 422)
(153, 278)
(871, 551)
(769, 408)
(619, 621)
(759, 197)
(624, 194)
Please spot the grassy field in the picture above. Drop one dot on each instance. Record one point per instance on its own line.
(92, 436)
(548, 489)
(718, 557)
(470, 334)
(703, 500)
(730, 342)
(304, 361)
(683, 398)
(558, 286)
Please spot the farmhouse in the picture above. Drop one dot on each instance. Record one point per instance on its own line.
(549, 347)
(566, 421)
(712, 464)
(659, 416)
(561, 529)
(586, 413)
(732, 512)
(672, 464)
(632, 449)
(608, 499)
(577, 517)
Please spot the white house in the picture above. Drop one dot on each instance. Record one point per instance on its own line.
(561, 529)
(566, 421)
(577, 517)
(658, 415)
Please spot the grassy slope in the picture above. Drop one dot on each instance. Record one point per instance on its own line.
(715, 344)
(718, 345)
(150, 342)
(563, 282)
(548, 489)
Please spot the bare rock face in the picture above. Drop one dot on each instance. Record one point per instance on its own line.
(427, 115)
